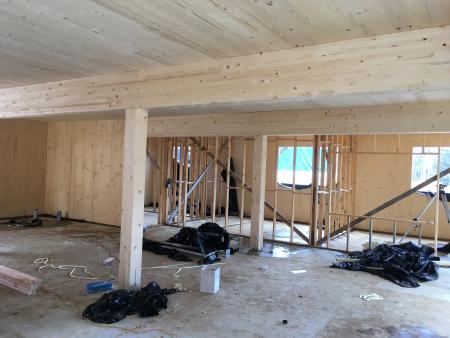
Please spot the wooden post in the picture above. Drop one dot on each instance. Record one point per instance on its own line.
(294, 174)
(438, 181)
(241, 210)
(214, 196)
(174, 173)
(275, 192)
(314, 192)
(258, 191)
(133, 188)
(227, 191)
(180, 180)
(322, 188)
(186, 179)
(329, 186)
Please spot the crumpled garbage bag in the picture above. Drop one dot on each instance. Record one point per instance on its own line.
(207, 238)
(116, 305)
(403, 264)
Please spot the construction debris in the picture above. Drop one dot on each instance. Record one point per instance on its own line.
(371, 296)
(116, 305)
(404, 264)
(202, 243)
(207, 238)
(18, 280)
(445, 248)
(25, 223)
(99, 286)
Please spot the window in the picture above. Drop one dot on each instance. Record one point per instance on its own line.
(424, 165)
(177, 152)
(303, 166)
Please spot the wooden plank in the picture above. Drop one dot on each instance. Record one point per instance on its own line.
(258, 191)
(340, 74)
(133, 188)
(18, 280)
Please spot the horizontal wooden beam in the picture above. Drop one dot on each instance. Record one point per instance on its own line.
(406, 118)
(411, 66)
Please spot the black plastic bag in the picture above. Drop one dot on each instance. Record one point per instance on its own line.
(116, 305)
(404, 264)
(207, 238)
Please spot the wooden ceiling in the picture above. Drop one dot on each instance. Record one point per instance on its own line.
(48, 40)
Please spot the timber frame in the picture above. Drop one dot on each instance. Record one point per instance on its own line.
(330, 92)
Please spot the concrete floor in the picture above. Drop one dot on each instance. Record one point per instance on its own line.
(257, 293)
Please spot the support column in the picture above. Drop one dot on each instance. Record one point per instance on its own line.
(133, 188)
(314, 192)
(258, 191)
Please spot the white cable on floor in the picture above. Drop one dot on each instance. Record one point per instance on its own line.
(45, 264)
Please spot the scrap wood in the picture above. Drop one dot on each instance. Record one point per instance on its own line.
(18, 280)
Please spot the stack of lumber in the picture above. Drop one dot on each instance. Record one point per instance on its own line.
(18, 280)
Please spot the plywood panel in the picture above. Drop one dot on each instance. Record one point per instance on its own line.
(84, 170)
(22, 167)
(380, 177)
(108, 172)
(59, 166)
(81, 178)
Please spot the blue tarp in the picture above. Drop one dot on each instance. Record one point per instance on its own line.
(303, 161)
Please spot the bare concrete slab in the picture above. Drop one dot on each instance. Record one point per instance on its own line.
(257, 293)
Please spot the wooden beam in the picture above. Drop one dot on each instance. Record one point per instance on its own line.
(398, 118)
(410, 66)
(258, 192)
(133, 188)
(18, 280)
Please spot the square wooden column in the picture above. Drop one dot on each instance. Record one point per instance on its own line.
(258, 191)
(133, 189)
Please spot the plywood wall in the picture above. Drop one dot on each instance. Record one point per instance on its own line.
(380, 177)
(22, 166)
(84, 170)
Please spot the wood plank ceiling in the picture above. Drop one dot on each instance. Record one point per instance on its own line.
(48, 40)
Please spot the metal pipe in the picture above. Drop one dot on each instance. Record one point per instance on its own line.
(370, 232)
